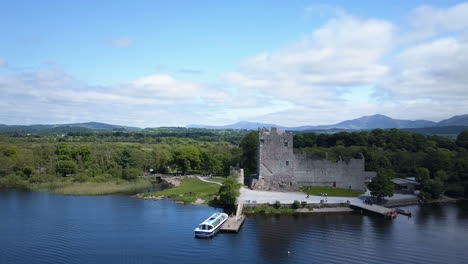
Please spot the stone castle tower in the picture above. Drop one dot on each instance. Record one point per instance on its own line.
(279, 168)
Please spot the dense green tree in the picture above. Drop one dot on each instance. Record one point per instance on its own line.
(249, 146)
(381, 185)
(229, 191)
(422, 175)
(65, 167)
(124, 158)
(82, 154)
(187, 158)
(462, 139)
(130, 174)
(10, 151)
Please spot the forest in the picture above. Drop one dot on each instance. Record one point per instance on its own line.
(439, 163)
(28, 160)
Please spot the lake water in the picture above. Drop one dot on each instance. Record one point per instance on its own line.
(47, 228)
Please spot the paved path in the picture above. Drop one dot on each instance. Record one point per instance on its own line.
(205, 180)
(248, 196)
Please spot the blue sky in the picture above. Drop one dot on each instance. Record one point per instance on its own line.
(160, 63)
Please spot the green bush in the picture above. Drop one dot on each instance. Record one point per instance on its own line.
(65, 167)
(229, 192)
(80, 177)
(131, 174)
(277, 204)
(296, 204)
(102, 178)
(454, 190)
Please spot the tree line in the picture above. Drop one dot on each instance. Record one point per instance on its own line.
(23, 161)
(439, 163)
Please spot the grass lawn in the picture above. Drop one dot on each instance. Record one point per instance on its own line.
(265, 209)
(189, 190)
(337, 192)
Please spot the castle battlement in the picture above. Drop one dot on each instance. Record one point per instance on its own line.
(279, 168)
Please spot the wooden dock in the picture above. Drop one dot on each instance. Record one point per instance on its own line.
(233, 224)
(373, 208)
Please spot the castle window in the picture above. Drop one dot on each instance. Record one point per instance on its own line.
(287, 163)
(262, 141)
(286, 144)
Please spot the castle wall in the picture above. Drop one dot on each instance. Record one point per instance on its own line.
(279, 168)
(341, 174)
(276, 158)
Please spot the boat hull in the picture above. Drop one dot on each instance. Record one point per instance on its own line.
(204, 234)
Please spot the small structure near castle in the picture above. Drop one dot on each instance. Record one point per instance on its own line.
(279, 168)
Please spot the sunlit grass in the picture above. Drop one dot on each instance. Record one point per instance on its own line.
(330, 191)
(189, 190)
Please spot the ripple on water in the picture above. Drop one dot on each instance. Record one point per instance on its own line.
(44, 228)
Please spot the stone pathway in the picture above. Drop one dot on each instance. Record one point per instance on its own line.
(248, 196)
(205, 180)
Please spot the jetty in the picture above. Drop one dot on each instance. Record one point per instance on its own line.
(234, 222)
(374, 209)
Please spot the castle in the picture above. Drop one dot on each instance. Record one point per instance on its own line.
(279, 168)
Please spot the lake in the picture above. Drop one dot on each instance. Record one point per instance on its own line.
(48, 228)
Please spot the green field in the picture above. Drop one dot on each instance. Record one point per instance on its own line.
(330, 191)
(188, 191)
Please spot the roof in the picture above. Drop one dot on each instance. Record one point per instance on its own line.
(211, 219)
(401, 181)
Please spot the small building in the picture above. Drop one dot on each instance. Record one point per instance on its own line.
(406, 185)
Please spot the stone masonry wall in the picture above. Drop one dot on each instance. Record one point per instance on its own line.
(279, 168)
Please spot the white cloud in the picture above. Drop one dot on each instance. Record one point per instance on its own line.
(122, 42)
(344, 52)
(436, 70)
(346, 68)
(428, 21)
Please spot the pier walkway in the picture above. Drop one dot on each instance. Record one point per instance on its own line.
(373, 208)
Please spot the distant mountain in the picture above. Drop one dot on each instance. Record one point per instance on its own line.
(365, 122)
(239, 125)
(87, 126)
(378, 121)
(458, 120)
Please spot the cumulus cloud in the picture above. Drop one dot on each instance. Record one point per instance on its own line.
(411, 71)
(345, 52)
(435, 70)
(155, 100)
(428, 21)
(122, 42)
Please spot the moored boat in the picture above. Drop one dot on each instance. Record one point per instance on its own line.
(211, 225)
(403, 212)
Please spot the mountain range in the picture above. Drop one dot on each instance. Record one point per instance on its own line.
(361, 123)
(365, 122)
(87, 125)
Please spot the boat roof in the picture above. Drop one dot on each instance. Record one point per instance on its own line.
(211, 219)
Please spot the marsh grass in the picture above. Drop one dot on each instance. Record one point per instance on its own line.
(92, 188)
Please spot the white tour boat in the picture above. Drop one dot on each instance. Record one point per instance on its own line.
(211, 226)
